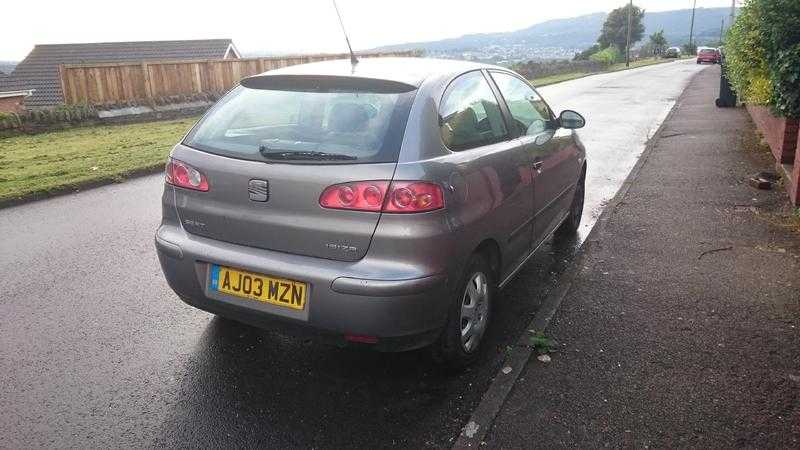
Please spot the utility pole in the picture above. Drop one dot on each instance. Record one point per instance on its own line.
(721, 30)
(691, 29)
(733, 11)
(628, 43)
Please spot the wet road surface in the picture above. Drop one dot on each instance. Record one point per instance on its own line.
(95, 350)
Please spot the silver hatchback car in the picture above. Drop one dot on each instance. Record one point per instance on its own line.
(381, 203)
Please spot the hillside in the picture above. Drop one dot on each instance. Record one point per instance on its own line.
(563, 37)
(7, 66)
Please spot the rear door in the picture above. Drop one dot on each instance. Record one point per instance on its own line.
(268, 155)
(546, 146)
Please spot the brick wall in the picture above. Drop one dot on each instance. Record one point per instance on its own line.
(12, 104)
(780, 133)
(783, 137)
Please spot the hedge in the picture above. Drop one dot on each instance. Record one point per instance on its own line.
(69, 115)
(49, 116)
(762, 52)
(539, 69)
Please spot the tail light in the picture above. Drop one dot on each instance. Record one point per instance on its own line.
(180, 174)
(383, 196)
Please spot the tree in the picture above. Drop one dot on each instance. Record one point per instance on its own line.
(658, 43)
(615, 28)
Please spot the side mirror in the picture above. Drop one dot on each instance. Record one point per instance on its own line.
(571, 120)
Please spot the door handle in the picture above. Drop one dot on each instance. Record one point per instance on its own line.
(538, 165)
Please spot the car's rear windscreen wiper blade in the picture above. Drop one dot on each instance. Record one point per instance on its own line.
(306, 155)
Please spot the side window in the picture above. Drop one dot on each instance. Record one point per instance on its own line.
(470, 114)
(529, 112)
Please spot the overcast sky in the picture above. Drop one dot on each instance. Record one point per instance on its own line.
(283, 26)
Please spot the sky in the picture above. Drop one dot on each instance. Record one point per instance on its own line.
(293, 26)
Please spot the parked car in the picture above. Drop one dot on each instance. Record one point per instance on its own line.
(708, 55)
(673, 52)
(381, 203)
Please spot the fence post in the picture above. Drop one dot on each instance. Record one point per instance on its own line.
(63, 84)
(148, 87)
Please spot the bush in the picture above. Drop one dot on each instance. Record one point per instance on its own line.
(607, 56)
(762, 52)
(785, 77)
(780, 30)
(48, 116)
(746, 59)
(586, 54)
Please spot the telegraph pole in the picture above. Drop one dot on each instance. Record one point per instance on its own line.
(628, 43)
(733, 11)
(691, 29)
(721, 30)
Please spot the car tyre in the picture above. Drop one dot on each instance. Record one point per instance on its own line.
(570, 225)
(468, 318)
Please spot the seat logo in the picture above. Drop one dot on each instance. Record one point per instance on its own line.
(258, 190)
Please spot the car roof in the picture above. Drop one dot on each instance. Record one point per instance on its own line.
(411, 71)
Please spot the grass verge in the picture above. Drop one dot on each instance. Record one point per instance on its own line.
(37, 165)
(553, 79)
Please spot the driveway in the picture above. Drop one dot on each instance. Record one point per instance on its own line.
(96, 351)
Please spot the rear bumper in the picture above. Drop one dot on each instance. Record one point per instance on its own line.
(345, 298)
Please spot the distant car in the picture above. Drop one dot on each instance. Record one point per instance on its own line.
(708, 55)
(382, 202)
(673, 52)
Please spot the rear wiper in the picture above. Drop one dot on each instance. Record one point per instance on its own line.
(306, 155)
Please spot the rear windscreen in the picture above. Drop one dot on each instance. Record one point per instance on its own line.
(330, 125)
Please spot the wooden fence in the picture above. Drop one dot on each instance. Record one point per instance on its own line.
(123, 82)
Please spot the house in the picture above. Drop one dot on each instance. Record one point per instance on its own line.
(39, 70)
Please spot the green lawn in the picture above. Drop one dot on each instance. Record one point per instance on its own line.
(32, 165)
(553, 79)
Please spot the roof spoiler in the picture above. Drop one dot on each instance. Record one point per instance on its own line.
(325, 83)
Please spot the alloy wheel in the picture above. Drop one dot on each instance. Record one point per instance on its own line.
(474, 311)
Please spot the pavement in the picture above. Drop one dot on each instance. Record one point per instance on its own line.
(97, 351)
(682, 324)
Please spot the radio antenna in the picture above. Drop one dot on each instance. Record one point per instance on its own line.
(353, 59)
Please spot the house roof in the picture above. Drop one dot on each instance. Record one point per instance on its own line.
(39, 70)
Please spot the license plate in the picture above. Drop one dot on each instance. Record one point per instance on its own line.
(263, 288)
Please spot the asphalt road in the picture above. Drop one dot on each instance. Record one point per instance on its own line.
(96, 351)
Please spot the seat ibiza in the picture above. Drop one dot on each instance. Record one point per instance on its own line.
(382, 202)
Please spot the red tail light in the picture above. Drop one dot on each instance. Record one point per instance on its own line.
(180, 174)
(376, 196)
